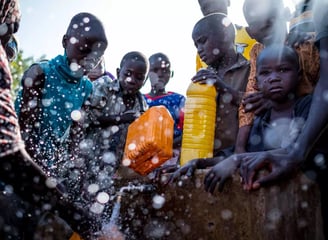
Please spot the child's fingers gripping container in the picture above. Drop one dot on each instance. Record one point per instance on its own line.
(149, 141)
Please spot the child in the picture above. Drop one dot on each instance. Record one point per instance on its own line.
(214, 36)
(313, 136)
(159, 76)
(53, 89)
(99, 71)
(243, 41)
(96, 140)
(256, 13)
(277, 74)
(24, 187)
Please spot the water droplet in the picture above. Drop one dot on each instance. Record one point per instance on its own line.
(51, 182)
(74, 66)
(97, 208)
(102, 197)
(216, 51)
(28, 82)
(76, 115)
(158, 201)
(93, 188)
(126, 162)
(226, 21)
(86, 20)
(73, 40)
(226, 214)
(155, 160)
(132, 146)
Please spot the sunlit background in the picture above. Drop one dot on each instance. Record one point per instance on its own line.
(147, 26)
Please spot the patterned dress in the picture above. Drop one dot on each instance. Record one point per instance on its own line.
(174, 102)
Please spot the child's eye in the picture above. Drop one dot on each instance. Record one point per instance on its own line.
(202, 40)
(264, 72)
(154, 70)
(127, 74)
(284, 69)
(140, 77)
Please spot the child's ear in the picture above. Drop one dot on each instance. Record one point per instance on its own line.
(64, 41)
(118, 73)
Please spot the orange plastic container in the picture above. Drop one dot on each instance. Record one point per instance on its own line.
(199, 122)
(149, 141)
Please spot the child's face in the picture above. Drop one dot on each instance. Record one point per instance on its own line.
(132, 76)
(98, 71)
(277, 76)
(211, 46)
(84, 52)
(159, 74)
(266, 25)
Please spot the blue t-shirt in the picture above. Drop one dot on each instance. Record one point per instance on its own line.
(62, 93)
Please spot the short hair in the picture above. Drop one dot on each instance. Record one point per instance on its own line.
(159, 56)
(279, 50)
(212, 6)
(135, 56)
(253, 7)
(85, 20)
(218, 23)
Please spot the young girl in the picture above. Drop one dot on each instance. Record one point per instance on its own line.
(159, 76)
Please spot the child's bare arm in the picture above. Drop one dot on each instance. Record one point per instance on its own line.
(33, 81)
(242, 138)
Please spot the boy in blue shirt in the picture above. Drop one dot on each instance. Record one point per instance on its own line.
(52, 90)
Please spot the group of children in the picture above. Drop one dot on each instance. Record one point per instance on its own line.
(74, 129)
(74, 116)
(276, 103)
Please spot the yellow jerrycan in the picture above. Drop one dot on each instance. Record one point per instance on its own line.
(199, 122)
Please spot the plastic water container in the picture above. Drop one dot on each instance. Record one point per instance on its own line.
(149, 141)
(199, 122)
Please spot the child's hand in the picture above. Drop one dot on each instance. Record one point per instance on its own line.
(187, 170)
(210, 77)
(205, 76)
(298, 38)
(255, 102)
(129, 116)
(282, 166)
(219, 174)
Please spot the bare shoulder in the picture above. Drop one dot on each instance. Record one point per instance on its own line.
(33, 76)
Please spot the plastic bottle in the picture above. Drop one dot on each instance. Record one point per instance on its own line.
(199, 122)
